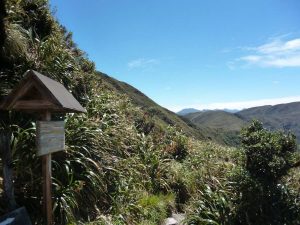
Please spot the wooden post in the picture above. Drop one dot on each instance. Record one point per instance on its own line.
(37, 93)
(47, 174)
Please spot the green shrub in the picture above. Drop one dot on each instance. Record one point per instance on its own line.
(120, 166)
(210, 190)
(262, 196)
(177, 146)
(212, 207)
(157, 207)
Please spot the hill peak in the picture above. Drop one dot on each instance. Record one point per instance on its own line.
(187, 111)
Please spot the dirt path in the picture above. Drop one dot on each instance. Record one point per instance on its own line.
(176, 219)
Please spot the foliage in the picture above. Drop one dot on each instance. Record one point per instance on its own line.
(255, 185)
(269, 156)
(158, 114)
(208, 184)
(263, 197)
(123, 164)
(110, 162)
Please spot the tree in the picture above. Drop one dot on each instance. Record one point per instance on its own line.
(263, 196)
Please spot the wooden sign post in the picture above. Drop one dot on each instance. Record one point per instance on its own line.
(37, 93)
(47, 182)
(50, 138)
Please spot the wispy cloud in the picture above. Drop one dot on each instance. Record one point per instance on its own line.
(276, 53)
(237, 105)
(142, 63)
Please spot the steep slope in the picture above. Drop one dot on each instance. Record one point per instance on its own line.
(117, 167)
(119, 155)
(224, 127)
(217, 119)
(253, 112)
(163, 116)
(283, 116)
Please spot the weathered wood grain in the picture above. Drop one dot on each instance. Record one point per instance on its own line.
(47, 182)
(50, 137)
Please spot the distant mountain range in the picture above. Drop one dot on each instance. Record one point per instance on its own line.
(163, 116)
(222, 126)
(186, 111)
(284, 117)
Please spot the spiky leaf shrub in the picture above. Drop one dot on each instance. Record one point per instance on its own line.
(210, 190)
(120, 166)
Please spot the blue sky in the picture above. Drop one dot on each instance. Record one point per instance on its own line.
(191, 53)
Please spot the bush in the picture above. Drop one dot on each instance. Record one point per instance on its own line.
(254, 185)
(262, 196)
(210, 190)
(177, 146)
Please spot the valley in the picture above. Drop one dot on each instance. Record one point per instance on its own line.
(285, 117)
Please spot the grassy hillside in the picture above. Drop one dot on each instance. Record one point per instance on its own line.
(220, 126)
(161, 115)
(284, 117)
(165, 117)
(123, 163)
(217, 119)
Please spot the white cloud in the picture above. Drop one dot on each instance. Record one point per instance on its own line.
(142, 63)
(237, 105)
(280, 47)
(251, 58)
(276, 53)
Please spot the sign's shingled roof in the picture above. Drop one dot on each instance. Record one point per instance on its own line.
(60, 93)
(63, 98)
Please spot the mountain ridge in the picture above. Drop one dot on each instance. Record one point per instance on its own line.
(284, 117)
(186, 111)
(162, 115)
(220, 126)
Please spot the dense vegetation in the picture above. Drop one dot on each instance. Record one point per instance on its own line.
(261, 189)
(123, 164)
(265, 198)
(161, 115)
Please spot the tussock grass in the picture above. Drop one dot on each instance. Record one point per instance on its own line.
(123, 164)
